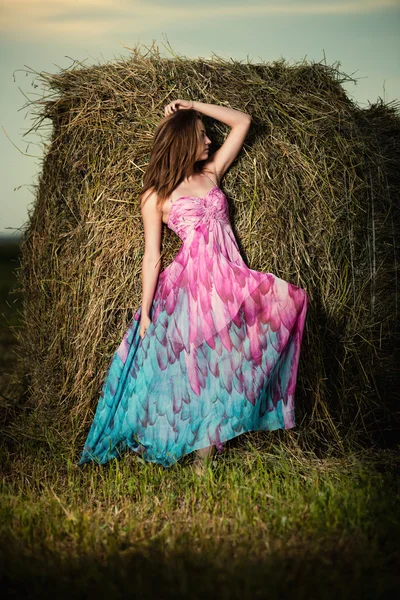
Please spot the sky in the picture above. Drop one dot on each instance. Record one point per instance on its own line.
(362, 37)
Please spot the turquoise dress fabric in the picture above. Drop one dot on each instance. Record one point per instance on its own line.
(219, 358)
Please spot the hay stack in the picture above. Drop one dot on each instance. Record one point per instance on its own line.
(314, 199)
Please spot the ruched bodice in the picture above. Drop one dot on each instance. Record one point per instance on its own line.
(188, 212)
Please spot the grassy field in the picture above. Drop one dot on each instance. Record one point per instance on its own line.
(264, 520)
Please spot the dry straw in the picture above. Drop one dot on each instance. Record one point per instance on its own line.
(313, 199)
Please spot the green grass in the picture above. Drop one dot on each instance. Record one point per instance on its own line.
(264, 521)
(255, 524)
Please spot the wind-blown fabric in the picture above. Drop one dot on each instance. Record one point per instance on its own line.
(219, 358)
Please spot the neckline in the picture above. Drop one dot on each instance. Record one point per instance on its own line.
(194, 197)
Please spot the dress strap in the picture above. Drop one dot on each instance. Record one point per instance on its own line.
(210, 178)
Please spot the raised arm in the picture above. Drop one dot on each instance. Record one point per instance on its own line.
(239, 121)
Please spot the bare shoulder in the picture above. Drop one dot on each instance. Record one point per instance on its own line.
(149, 198)
(149, 208)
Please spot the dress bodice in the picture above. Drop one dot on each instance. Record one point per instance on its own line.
(187, 213)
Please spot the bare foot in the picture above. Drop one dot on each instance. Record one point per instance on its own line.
(205, 453)
(198, 466)
(202, 459)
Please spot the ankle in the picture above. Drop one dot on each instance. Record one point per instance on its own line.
(205, 453)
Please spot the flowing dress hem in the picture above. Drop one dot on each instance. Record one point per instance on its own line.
(277, 424)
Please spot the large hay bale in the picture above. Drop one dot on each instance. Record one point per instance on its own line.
(313, 199)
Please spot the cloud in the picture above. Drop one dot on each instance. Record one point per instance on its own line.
(91, 20)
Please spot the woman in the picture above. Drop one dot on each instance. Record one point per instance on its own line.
(213, 350)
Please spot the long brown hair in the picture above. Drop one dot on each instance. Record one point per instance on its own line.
(176, 144)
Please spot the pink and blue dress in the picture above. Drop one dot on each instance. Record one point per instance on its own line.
(219, 358)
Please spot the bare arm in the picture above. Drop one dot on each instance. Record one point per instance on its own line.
(229, 116)
(240, 122)
(152, 220)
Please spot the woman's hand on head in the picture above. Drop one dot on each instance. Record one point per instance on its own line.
(176, 105)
